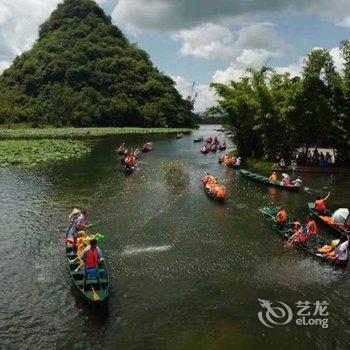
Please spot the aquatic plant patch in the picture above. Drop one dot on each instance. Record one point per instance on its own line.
(32, 152)
(66, 133)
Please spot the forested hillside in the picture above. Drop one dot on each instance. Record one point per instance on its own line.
(82, 71)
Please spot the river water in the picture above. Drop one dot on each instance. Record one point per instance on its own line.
(186, 272)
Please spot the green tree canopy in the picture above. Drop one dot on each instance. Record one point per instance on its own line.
(82, 71)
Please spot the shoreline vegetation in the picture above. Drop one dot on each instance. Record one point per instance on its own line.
(272, 115)
(29, 153)
(71, 132)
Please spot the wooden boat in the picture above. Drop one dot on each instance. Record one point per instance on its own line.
(336, 231)
(265, 179)
(213, 148)
(222, 147)
(312, 245)
(200, 139)
(121, 149)
(147, 147)
(212, 195)
(93, 293)
(129, 169)
(205, 149)
(231, 165)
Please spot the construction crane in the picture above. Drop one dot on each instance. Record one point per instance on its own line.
(192, 97)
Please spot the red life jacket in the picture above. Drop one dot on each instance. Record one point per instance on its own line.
(320, 206)
(92, 258)
(312, 228)
(282, 217)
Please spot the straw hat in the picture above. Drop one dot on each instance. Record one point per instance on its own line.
(334, 243)
(76, 211)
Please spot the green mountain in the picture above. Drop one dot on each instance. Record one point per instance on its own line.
(82, 71)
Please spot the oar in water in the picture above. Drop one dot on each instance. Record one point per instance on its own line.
(264, 212)
(95, 296)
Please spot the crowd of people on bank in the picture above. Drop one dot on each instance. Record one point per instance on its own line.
(309, 158)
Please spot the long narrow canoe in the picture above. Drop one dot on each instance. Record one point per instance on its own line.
(336, 231)
(93, 293)
(212, 195)
(310, 248)
(265, 180)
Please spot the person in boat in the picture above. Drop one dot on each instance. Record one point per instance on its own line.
(297, 232)
(72, 231)
(311, 226)
(91, 257)
(130, 161)
(281, 217)
(137, 153)
(282, 163)
(239, 161)
(340, 254)
(321, 207)
(82, 221)
(297, 182)
(285, 180)
(273, 177)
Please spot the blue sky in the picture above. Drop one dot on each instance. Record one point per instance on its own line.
(202, 40)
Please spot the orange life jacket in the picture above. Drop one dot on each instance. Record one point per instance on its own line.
(220, 192)
(92, 258)
(273, 178)
(320, 206)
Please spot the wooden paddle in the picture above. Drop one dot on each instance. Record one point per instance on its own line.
(95, 296)
(264, 212)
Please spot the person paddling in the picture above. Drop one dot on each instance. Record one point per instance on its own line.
(91, 258)
(281, 217)
(311, 226)
(320, 205)
(273, 177)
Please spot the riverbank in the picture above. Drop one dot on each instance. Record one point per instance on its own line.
(69, 133)
(32, 152)
(260, 166)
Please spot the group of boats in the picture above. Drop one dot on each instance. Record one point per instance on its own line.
(129, 160)
(316, 246)
(212, 145)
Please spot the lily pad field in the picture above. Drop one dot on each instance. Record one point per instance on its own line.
(70, 132)
(33, 152)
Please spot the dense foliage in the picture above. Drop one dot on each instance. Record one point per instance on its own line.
(175, 174)
(70, 132)
(270, 113)
(82, 71)
(30, 153)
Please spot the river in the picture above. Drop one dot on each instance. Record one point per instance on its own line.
(186, 272)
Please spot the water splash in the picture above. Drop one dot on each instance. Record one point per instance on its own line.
(144, 250)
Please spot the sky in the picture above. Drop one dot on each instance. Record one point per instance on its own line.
(202, 40)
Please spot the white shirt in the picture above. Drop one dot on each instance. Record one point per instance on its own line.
(297, 182)
(342, 251)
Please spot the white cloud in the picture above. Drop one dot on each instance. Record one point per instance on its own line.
(233, 72)
(206, 97)
(4, 65)
(338, 59)
(209, 41)
(181, 14)
(253, 44)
